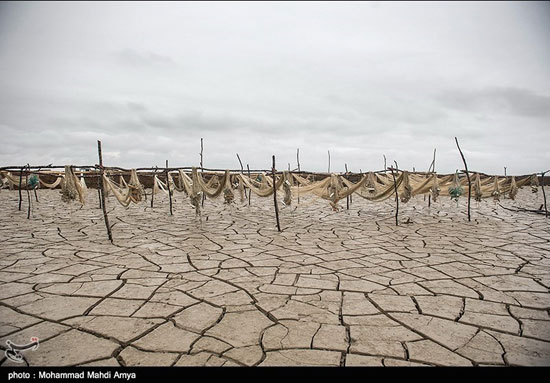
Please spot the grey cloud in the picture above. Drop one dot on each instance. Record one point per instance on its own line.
(509, 100)
(135, 58)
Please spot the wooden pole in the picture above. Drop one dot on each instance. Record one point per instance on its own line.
(239, 158)
(99, 188)
(544, 194)
(396, 197)
(298, 162)
(105, 217)
(153, 190)
(168, 186)
(347, 198)
(20, 182)
(250, 191)
(329, 161)
(28, 193)
(432, 166)
(384, 161)
(35, 187)
(242, 171)
(467, 175)
(202, 170)
(275, 195)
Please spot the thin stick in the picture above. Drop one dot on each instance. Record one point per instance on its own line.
(396, 197)
(467, 175)
(168, 186)
(20, 182)
(239, 158)
(298, 162)
(384, 161)
(36, 186)
(249, 191)
(99, 188)
(505, 171)
(109, 234)
(203, 195)
(347, 198)
(329, 161)
(242, 171)
(153, 191)
(275, 195)
(544, 194)
(28, 194)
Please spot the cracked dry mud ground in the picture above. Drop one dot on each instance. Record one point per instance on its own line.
(338, 289)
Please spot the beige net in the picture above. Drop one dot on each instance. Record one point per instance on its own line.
(71, 188)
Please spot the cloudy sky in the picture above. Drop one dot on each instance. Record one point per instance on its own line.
(358, 79)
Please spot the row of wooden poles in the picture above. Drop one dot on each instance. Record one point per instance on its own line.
(101, 187)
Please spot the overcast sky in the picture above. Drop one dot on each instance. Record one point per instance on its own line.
(358, 79)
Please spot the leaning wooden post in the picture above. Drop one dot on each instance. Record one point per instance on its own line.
(396, 197)
(431, 169)
(99, 188)
(35, 193)
(202, 170)
(467, 175)
(242, 171)
(544, 194)
(28, 192)
(20, 182)
(250, 190)
(298, 161)
(153, 191)
(168, 186)
(347, 198)
(101, 170)
(275, 195)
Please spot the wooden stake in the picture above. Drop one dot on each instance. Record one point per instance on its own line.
(153, 189)
(347, 198)
(239, 158)
(249, 191)
(105, 217)
(384, 161)
(35, 187)
(329, 161)
(432, 165)
(99, 189)
(20, 182)
(168, 186)
(28, 193)
(242, 171)
(544, 194)
(203, 194)
(396, 197)
(275, 195)
(298, 162)
(467, 175)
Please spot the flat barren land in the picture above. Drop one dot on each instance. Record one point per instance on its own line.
(345, 288)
